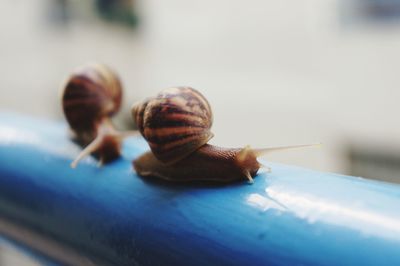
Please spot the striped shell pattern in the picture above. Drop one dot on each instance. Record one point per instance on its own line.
(91, 93)
(175, 123)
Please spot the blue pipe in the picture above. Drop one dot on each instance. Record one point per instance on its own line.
(109, 215)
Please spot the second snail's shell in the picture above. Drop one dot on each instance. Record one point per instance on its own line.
(91, 93)
(175, 123)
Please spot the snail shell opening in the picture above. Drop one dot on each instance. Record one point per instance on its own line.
(90, 94)
(175, 123)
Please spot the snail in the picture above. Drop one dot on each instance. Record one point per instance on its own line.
(90, 97)
(176, 124)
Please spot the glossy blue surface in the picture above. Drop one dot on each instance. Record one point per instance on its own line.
(291, 216)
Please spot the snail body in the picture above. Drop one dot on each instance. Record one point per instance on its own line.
(90, 97)
(208, 163)
(176, 124)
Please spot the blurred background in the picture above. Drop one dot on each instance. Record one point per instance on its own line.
(275, 72)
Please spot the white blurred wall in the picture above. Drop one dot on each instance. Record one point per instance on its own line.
(275, 72)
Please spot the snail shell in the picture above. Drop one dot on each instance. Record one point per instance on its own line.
(91, 93)
(175, 123)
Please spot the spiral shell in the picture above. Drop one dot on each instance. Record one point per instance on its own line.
(175, 123)
(91, 93)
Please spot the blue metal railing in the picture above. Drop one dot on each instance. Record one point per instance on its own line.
(110, 216)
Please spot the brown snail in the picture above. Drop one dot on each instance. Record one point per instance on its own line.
(176, 124)
(90, 97)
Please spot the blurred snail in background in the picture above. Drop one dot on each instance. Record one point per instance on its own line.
(176, 124)
(90, 97)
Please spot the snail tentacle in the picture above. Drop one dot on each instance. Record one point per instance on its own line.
(263, 151)
(92, 147)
